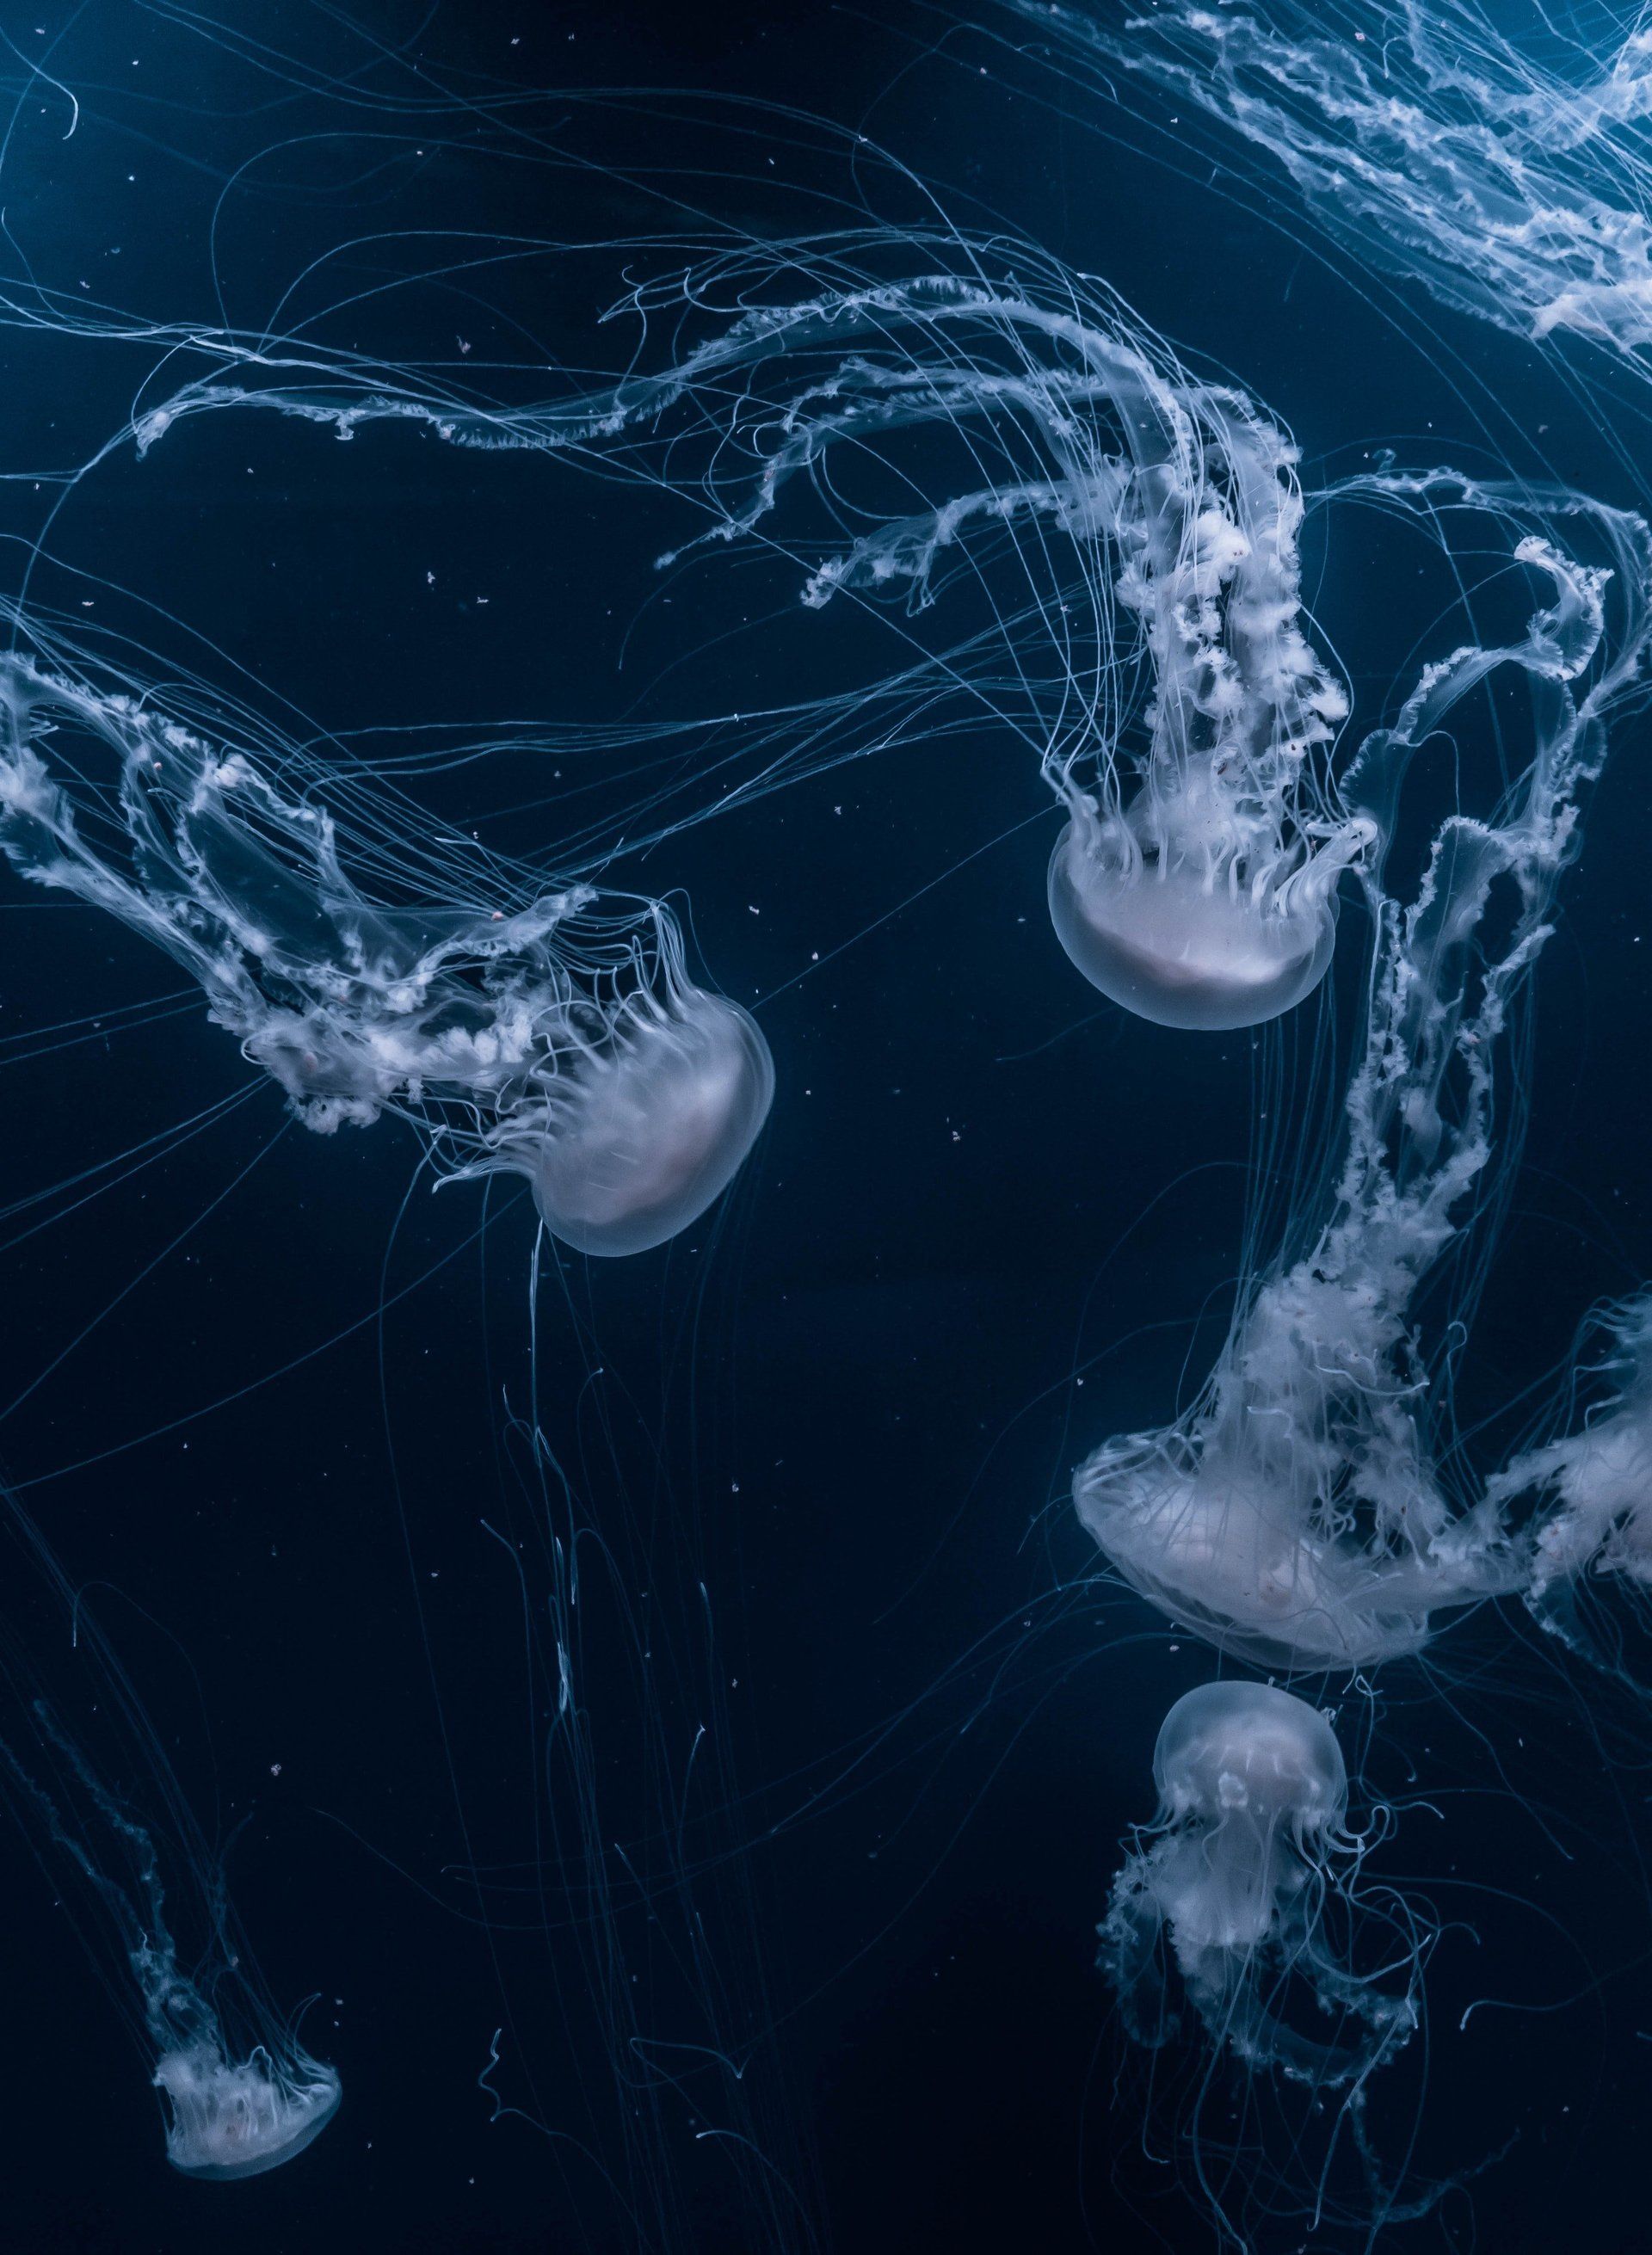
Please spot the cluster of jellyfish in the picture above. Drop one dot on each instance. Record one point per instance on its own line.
(1294, 1516)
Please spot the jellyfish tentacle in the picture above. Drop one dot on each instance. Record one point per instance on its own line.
(1294, 1515)
(1232, 1883)
(557, 1036)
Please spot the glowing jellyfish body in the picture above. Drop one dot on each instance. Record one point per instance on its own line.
(232, 2119)
(1251, 1846)
(1295, 1515)
(1181, 942)
(644, 1132)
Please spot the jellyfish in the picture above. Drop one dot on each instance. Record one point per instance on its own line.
(650, 1123)
(1512, 182)
(1232, 1884)
(1135, 540)
(241, 2094)
(1591, 1490)
(1294, 1515)
(548, 1037)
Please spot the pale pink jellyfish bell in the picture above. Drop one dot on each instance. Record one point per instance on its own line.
(1186, 913)
(646, 1118)
(232, 2119)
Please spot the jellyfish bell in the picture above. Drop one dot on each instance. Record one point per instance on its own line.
(645, 1127)
(562, 1040)
(1183, 914)
(240, 2092)
(1264, 1769)
(1251, 1748)
(231, 2118)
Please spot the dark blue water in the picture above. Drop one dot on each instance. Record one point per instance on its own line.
(862, 1735)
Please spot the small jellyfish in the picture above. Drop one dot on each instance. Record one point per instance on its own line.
(644, 1126)
(241, 2094)
(1250, 1852)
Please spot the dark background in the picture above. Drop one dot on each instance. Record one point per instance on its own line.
(825, 1441)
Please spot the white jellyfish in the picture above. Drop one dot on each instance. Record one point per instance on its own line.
(1295, 1515)
(1136, 539)
(640, 1129)
(1234, 1886)
(242, 2096)
(554, 1036)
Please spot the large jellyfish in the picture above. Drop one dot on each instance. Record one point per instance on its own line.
(1294, 1513)
(243, 2095)
(1250, 1849)
(535, 1032)
(1511, 179)
(1179, 710)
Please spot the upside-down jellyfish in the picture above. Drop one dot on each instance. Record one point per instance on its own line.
(1294, 1513)
(1512, 180)
(545, 1036)
(1187, 719)
(1251, 1846)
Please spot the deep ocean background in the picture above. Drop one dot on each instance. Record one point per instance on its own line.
(988, 1225)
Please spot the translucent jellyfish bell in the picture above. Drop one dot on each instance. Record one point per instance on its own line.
(1183, 941)
(1250, 1847)
(648, 1125)
(1256, 1755)
(237, 2118)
